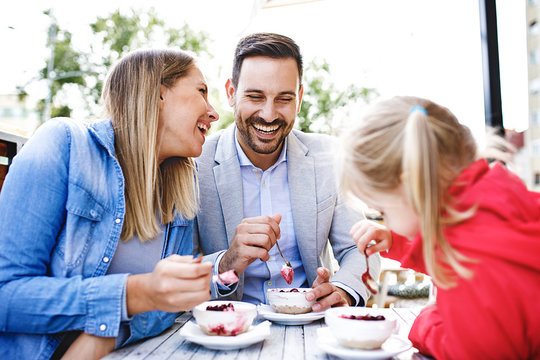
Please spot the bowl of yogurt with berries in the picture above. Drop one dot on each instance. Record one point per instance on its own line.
(224, 318)
(289, 300)
(360, 327)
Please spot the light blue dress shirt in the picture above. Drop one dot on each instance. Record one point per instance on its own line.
(267, 193)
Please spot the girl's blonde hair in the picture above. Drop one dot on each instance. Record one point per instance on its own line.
(131, 95)
(424, 152)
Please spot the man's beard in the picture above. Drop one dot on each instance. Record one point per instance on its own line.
(254, 142)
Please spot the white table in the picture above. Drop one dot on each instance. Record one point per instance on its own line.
(286, 342)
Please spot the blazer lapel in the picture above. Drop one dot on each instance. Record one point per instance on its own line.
(229, 182)
(301, 176)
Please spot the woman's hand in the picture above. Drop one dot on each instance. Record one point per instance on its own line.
(365, 231)
(89, 347)
(178, 283)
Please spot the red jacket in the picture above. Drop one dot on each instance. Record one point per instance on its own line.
(495, 314)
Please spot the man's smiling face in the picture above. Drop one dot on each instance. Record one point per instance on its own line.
(265, 103)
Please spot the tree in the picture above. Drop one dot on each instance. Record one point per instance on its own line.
(322, 101)
(114, 35)
(118, 34)
(62, 69)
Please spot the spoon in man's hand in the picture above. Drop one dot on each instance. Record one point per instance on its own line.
(286, 271)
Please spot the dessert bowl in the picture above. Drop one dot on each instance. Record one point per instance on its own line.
(224, 318)
(289, 300)
(359, 327)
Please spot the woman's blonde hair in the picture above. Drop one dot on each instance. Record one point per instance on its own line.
(423, 151)
(131, 95)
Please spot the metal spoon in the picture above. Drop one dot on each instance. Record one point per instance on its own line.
(368, 280)
(366, 277)
(287, 271)
(280, 253)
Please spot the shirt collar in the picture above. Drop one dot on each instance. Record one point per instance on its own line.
(244, 161)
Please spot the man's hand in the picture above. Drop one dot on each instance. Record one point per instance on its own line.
(326, 293)
(253, 239)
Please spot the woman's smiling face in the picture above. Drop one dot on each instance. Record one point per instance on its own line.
(185, 116)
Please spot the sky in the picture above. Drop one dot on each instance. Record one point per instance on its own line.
(427, 48)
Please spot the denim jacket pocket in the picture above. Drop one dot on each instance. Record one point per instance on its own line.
(84, 214)
(81, 203)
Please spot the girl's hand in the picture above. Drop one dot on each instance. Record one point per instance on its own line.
(365, 231)
(177, 283)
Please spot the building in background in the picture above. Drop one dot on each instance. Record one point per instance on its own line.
(18, 117)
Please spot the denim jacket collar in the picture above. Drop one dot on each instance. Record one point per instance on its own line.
(104, 133)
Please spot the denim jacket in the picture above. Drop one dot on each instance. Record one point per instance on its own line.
(62, 209)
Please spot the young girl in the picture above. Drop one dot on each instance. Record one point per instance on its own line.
(88, 210)
(473, 226)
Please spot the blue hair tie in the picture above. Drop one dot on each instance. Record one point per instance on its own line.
(418, 108)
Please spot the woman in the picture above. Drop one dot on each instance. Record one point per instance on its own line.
(473, 227)
(88, 211)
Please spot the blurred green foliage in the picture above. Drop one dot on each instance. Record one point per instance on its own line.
(323, 103)
(323, 99)
(114, 35)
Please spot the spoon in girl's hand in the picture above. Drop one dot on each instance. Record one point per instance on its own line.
(368, 280)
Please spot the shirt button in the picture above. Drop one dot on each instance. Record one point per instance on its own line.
(117, 221)
(105, 259)
(269, 283)
(102, 327)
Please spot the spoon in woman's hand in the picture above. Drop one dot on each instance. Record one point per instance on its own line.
(368, 280)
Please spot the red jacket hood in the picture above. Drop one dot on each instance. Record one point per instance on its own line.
(506, 223)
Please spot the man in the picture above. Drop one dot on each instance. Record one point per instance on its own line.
(263, 182)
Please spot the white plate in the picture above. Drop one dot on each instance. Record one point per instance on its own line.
(192, 332)
(391, 347)
(268, 313)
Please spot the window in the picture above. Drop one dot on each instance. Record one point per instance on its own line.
(534, 86)
(534, 57)
(7, 113)
(537, 179)
(535, 118)
(533, 28)
(536, 147)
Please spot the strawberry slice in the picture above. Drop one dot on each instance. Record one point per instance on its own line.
(288, 273)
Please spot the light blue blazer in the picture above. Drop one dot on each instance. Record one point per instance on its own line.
(321, 219)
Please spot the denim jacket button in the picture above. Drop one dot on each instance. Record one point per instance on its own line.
(105, 259)
(92, 213)
(117, 221)
(102, 327)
